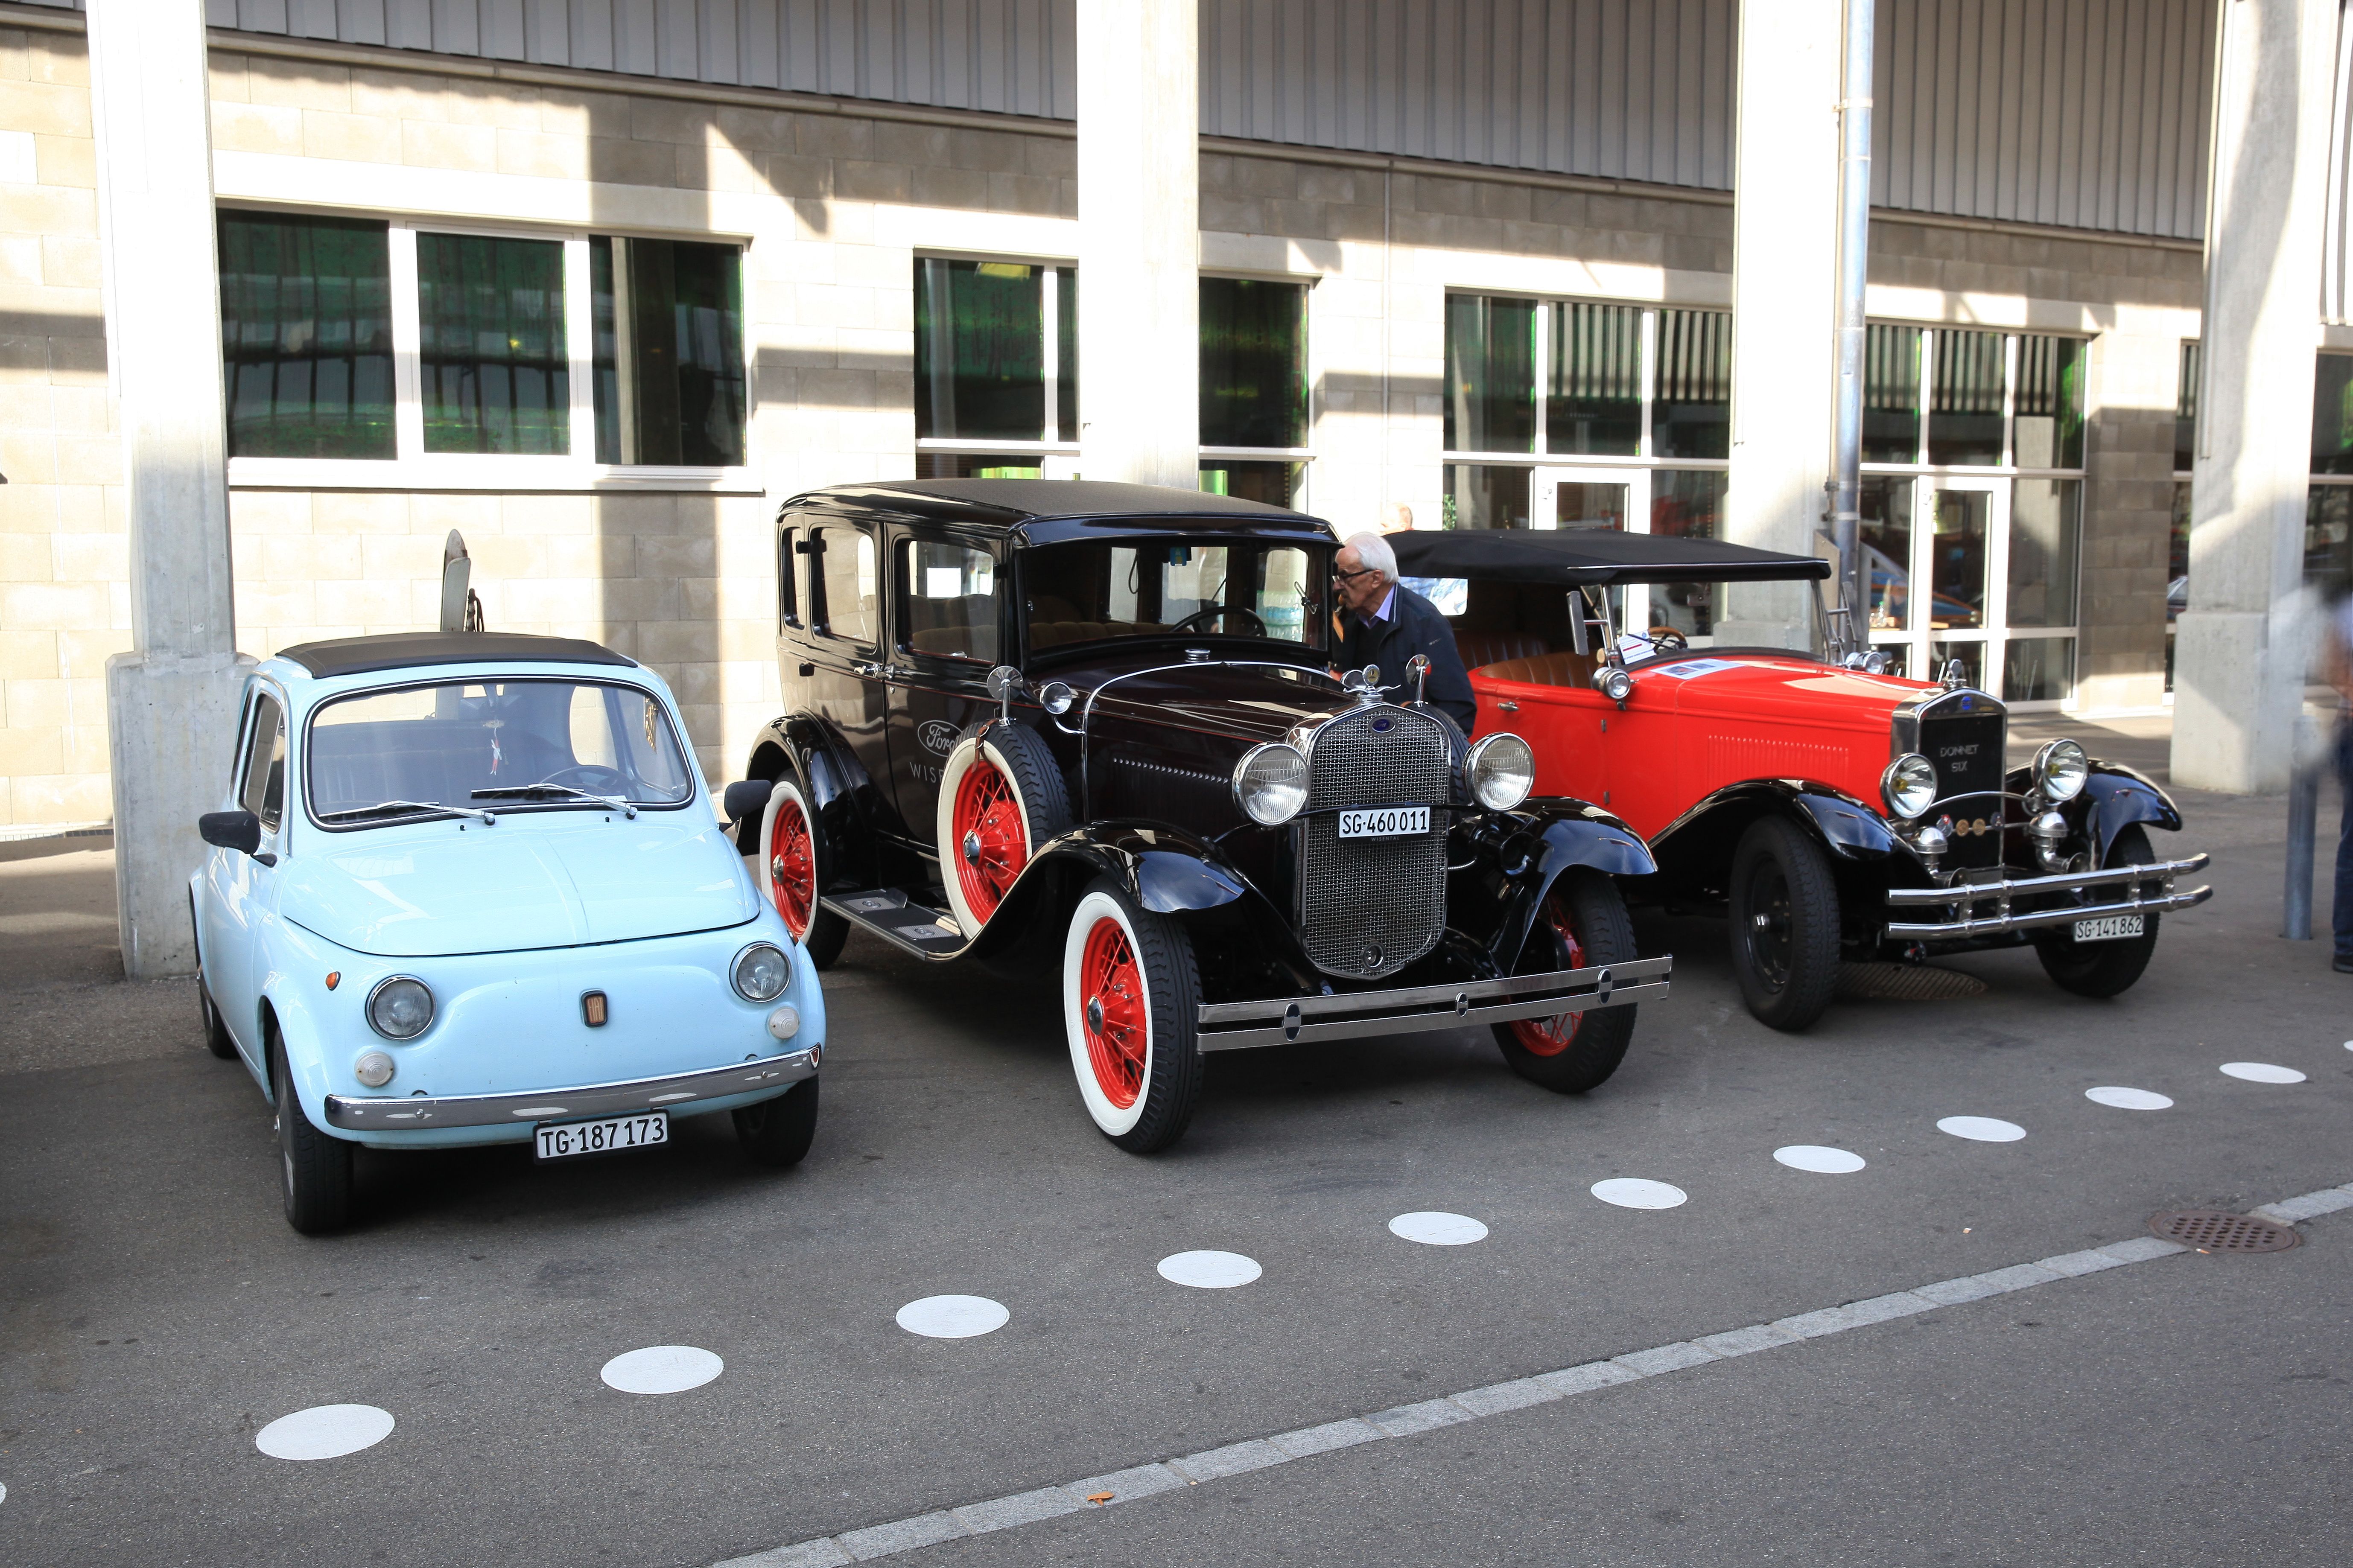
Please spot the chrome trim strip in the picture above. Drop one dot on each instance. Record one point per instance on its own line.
(1287, 1020)
(2065, 881)
(1994, 924)
(388, 1114)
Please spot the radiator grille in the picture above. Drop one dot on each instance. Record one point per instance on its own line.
(1966, 749)
(1368, 907)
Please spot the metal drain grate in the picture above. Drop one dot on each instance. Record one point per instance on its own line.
(2215, 1230)
(1905, 983)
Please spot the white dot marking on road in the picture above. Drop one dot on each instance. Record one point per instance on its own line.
(1209, 1270)
(953, 1317)
(1434, 1228)
(661, 1369)
(1820, 1159)
(2129, 1098)
(2263, 1072)
(1982, 1128)
(1638, 1193)
(324, 1432)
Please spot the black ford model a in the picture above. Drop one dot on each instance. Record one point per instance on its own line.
(1088, 730)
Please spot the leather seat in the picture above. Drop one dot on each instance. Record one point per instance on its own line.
(1481, 649)
(1565, 669)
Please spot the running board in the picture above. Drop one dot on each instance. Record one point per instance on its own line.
(911, 928)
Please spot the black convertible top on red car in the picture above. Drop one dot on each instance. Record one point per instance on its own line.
(1575, 557)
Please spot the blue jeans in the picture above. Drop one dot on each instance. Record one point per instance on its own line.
(2342, 913)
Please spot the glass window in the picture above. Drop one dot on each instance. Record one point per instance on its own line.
(845, 580)
(1885, 546)
(2049, 433)
(2185, 411)
(2044, 524)
(1691, 397)
(1253, 363)
(668, 354)
(1581, 504)
(379, 756)
(788, 602)
(1688, 502)
(1490, 375)
(1089, 592)
(263, 791)
(2332, 415)
(1274, 483)
(1965, 398)
(975, 466)
(1890, 395)
(1971, 656)
(306, 336)
(2177, 555)
(1957, 558)
(979, 350)
(2038, 670)
(949, 595)
(495, 367)
(1066, 352)
(2328, 539)
(1485, 495)
(1594, 401)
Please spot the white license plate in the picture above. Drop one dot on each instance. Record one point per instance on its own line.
(563, 1139)
(1396, 822)
(2108, 928)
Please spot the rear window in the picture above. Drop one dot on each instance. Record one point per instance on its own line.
(1089, 591)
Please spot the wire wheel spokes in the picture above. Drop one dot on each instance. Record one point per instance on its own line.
(1550, 1037)
(992, 838)
(792, 867)
(1111, 986)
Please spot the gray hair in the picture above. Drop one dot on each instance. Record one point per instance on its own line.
(1373, 552)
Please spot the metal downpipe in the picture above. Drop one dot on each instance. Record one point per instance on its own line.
(1854, 264)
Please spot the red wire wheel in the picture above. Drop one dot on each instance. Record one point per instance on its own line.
(1116, 1017)
(792, 865)
(1550, 1037)
(1582, 924)
(991, 835)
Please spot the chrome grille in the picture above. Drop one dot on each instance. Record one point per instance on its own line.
(1967, 749)
(1368, 907)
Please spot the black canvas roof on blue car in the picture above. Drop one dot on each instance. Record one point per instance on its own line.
(403, 651)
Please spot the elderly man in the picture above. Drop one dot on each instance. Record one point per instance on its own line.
(1383, 622)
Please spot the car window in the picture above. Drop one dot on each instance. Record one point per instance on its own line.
(850, 584)
(263, 789)
(788, 607)
(947, 599)
(1088, 592)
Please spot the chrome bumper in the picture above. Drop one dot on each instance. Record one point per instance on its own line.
(2147, 890)
(1288, 1020)
(387, 1114)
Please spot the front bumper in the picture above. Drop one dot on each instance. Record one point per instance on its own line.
(678, 1091)
(2145, 889)
(1288, 1020)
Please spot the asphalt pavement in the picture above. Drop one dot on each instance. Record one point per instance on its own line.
(155, 1312)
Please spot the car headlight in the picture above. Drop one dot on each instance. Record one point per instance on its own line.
(1499, 770)
(400, 1008)
(2059, 770)
(1909, 786)
(1270, 784)
(1613, 683)
(761, 973)
(374, 1068)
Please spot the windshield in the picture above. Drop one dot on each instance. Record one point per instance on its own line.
(469, 745)
(1088, 592)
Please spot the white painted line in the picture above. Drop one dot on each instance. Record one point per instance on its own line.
(1434, 1228)
(2129, 1098)
(324, 1432)
(1209, 1270)
(1518, 1394)
(2263, 1072)
(953, 1317)
(1638, 1193)
(1982, 1128)
(661, 1369)
(1820, 1159)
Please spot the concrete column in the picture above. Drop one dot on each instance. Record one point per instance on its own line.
(2242, 648)
(1139, 241)
(171, 702)
(1785, 251)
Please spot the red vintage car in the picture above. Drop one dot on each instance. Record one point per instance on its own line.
(1831, 810)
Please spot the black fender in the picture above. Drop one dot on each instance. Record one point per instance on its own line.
(1697, 846)
(1515, 857)
(803, 747)
(2112, 799)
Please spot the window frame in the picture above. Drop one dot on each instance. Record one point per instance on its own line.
(821, 611)
(412, 467)
(902, 543)
(265, 699)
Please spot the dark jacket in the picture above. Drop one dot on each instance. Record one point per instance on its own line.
(1414, 626)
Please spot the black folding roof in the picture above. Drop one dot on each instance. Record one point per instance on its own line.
(1049, 511)
(400, 650)
(1579, 556)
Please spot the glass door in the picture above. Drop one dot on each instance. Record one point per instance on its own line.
(1597, 498)
(1934, 561)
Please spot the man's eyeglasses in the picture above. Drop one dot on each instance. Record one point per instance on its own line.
(1340, 576)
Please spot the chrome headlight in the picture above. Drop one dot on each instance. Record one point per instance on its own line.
(2059, 770)
(1499, 770)
(1613, 683)
(400, 1008)
(761, 973)
(1909, 786)
(1270, 784)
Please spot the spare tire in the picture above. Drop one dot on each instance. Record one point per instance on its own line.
(1001, 795)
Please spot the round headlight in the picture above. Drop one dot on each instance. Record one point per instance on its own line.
(400, 1008)
(761, 973)
(374, 1068)
(1613, 683)
(1270, 784)
(1500, 769)
(1909, 786)
(2059, 770)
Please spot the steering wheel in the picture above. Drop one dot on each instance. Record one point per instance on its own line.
(592, 776)
(1213, 612)
(1667, 639)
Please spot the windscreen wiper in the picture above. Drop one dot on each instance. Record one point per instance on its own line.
(516, 792)
(384, 805)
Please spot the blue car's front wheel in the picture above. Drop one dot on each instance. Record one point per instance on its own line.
(778, 1131)
(314, 1170)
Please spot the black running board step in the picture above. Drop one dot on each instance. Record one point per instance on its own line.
(914, 928)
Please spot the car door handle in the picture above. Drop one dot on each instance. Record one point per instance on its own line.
(881, 671)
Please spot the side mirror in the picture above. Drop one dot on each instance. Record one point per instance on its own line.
(1056, 697)
(237, 830)
(747, 799)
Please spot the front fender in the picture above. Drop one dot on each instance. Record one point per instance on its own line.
(1697, 846)
(289, 992)
(805, 747)
(1517, 856)
(2112, 799)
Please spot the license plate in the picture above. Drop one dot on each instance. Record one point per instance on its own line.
(2108, 928)
(1396, 822)
(560, 1140)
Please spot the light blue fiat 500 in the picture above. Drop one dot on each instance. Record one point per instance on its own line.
(469, 888)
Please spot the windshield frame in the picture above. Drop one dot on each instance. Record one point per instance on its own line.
(1321, 554)
(500, 807)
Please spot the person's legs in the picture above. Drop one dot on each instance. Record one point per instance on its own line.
(2342, 913)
